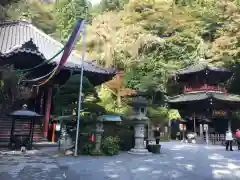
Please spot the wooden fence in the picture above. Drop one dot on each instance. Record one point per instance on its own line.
(217, 139)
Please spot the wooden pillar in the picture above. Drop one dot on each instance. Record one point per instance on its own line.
(53, 133)
(34, 92)
(194, 122)
(43, 102)
(47, 110)
(34, 97)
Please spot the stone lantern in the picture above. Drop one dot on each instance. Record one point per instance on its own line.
(100, 130)
(139, 105)
(20, 138)
(204, 123)
(98, 135)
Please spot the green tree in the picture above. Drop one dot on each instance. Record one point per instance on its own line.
(67, 12)
(40, 15)
(5, 4)
(10, 88)
(67, 96)
(109, 5)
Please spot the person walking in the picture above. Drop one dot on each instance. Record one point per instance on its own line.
(229, 140)
(238, 138)
(157, 135)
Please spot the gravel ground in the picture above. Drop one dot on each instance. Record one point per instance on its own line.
(177, 161)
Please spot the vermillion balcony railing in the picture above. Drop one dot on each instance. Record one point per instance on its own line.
(205, 87)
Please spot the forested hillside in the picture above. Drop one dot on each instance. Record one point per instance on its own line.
(147, 39)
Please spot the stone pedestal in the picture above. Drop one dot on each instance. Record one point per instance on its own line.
(139, 147)
(139, 104)
(65, 141)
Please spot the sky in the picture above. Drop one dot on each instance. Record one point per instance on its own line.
(95, 1)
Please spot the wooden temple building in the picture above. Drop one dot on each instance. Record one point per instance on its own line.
(204, 100)
(24, 46)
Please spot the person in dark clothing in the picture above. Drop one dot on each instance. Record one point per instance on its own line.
(157, 135)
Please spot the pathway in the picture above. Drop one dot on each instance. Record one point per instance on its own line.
(178, 161)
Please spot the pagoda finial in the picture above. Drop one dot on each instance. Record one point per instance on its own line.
(29, 45)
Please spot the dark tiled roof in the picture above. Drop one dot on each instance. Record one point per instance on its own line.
(201, 67)
(198, 96)
(13, 34)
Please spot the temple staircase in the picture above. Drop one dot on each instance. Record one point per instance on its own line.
(20, 127)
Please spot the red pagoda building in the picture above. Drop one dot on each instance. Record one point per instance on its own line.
(204, 100)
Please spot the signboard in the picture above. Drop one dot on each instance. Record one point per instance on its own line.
(112, 118)
(219, 113)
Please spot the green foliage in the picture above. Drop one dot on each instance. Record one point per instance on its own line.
(11, 90)
(67, 13)
(67, 96)
(42, 16)
(161, 115)
(173, 114)
(7, 2)
(5, 5)
(164, 139)
(87, 148)
(110, 145)
(108, 101)
(109, 5)
(141, 5)
(158, 115)
(148, 39)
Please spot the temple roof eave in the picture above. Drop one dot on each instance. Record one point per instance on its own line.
(23, 37)
(201, 67)
(200, 96)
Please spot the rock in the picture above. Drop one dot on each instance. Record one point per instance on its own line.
(69, 153)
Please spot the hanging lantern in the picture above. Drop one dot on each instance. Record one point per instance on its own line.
(181, 127)
(58, 127)
(210, 101)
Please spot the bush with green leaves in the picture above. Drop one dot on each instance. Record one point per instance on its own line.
(87, 148)
(110, 145)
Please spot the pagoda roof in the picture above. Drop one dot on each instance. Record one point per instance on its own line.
(201, 66)
(199, 96)
(15, 34)
(202, 71)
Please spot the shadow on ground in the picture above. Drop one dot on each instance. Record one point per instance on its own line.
(178, 161)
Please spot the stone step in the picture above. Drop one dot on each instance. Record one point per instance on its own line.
(6, 126)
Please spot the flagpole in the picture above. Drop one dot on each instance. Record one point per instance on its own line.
(80, 87)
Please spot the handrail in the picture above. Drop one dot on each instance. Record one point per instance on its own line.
(205, 87)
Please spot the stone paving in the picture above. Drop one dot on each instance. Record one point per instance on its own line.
(178, 161)
(32, 166)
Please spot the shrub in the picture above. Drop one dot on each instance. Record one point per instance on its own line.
(87, 148)
(110, 145)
